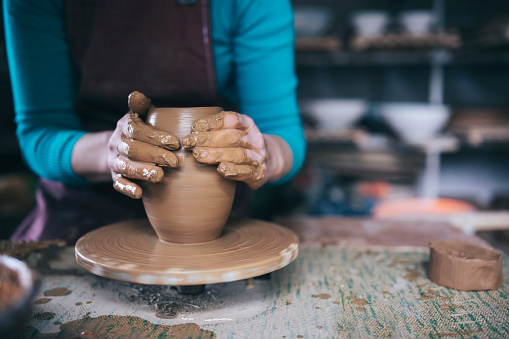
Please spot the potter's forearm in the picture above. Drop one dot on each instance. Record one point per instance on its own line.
(90, 157)
(280, 157)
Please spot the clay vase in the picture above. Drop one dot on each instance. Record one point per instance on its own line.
(193, 202)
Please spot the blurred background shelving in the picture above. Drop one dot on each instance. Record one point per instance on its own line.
(461, 62)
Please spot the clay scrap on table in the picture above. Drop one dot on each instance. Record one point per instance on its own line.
(22, 249)
(464, 266)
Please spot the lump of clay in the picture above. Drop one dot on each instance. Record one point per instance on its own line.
(138, 103)
(464, 266)
(11, 289)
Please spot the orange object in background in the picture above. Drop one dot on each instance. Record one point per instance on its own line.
(421, 206)
(374, 189)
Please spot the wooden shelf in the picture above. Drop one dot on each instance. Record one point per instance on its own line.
(396, 41)
(402, 57)
(362, 140)
(321, 44)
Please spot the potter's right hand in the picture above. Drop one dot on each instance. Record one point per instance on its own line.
(136, 151)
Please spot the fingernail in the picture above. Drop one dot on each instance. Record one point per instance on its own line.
(153, 175)
(138, 102)
(165, 160)
(205, 125)
(189, 141)
(201, 125)
(124, 148)
(170, 142)
(127, 189)
(120, 163)
(227, 170)
(130, 129)
(200, 153)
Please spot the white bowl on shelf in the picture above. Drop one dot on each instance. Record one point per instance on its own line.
(370, 23)
(415, 123)
(333, 113)
(417, 22)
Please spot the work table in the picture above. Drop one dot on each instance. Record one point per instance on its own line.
(353, 278)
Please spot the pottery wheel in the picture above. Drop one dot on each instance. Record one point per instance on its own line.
(131, 251)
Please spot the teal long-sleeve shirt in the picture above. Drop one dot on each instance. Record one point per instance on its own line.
(254, 62)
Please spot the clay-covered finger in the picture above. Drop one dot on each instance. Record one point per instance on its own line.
(222, 138)
(137, 170)
(236, 155)
(143, 152)
(136, 129)
(138, 103)
(222, 120)
(253, 176)
(126, 187)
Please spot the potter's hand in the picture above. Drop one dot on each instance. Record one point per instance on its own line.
(136, 151)
(243, 153)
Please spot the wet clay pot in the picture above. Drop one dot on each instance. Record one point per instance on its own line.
(193, 202)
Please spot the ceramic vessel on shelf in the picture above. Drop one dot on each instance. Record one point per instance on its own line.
(370, 23)
(333, 113)
(415, 123)
(193, 202)
(417, 22)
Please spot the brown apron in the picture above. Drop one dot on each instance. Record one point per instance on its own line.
(161, 48)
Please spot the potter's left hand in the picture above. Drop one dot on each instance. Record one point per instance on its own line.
(243, 153)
